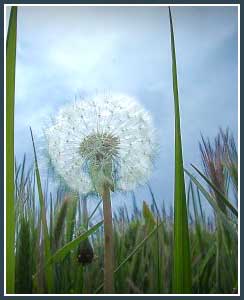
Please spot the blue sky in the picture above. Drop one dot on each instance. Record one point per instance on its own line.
(64, 52)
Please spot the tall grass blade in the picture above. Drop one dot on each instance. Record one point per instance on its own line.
(47, 246)
(182, 281)
(10, 94)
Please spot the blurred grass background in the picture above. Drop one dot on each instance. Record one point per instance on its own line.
(143, 238)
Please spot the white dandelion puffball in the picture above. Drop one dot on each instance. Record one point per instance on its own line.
(110, 136)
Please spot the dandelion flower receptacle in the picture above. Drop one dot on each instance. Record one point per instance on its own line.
(103, 144)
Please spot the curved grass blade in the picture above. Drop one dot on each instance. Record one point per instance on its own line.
(10, 94)
(222, 197)
(225, 219)
(182, 278)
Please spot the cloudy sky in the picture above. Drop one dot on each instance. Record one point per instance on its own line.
(64, 52)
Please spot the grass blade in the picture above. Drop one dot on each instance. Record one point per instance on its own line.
(60, 254)
(225, 219)
(154, 200)
(182, 281)
(95, 209)
(23, 259)
(148, 216)
(59, 225)
(47, 246)
(10, 94)
(222, 197)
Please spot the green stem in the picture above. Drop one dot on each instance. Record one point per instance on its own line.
(108, 242)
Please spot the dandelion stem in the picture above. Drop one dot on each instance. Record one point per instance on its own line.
(108, 242)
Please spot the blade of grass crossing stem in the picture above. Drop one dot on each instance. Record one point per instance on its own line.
(61, 253)
(95, 209)
(134, 251)
(182, 281)
(10, 93)
(47, 246)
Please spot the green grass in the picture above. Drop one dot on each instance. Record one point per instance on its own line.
(143, 243)
(10, 92)
(182, 282)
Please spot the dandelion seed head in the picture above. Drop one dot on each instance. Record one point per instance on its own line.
(113, 130)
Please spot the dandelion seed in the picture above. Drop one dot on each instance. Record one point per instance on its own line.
(93, 133)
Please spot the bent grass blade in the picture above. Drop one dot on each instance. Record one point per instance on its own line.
(222, 197)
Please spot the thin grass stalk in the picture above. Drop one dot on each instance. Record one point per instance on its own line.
(10, 94)
(182, 281)
(200, 206)
(95, 209)
(196, 216)
(158, 262)
(108, 242)
(71, 218)
(218, 248)
(154, 200)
